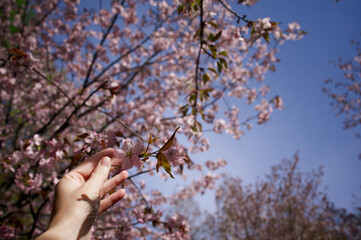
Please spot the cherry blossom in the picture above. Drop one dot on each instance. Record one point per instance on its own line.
(129, 154)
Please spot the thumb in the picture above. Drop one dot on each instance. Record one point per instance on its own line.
(100, 174)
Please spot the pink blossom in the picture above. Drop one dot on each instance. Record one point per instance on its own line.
(37, 140)
(278, 103)
(7, 232)
(219, 126)
(264, 90)
(266, 23)
(213, 165)
(249, 2)
(172, 155)
(265, 109)
(129, 154)
(178, 221)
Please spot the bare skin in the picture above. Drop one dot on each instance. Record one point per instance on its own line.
(79, 197)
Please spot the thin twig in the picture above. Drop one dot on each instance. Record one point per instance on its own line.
(142, 172)
(36, 217)
(53, 83)
(43, 76)
(122, 56)
(117, 120)
(140, 192)
(66, 123)
(24, 16)
(95, 55)
(234, 13)
(46, 15)
(198, 59)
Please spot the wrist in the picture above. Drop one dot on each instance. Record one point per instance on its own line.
(63, 233)
(53, 234)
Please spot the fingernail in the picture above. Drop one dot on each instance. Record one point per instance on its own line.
(105, 162)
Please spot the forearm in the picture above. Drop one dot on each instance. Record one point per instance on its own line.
(55, 234)
(68, 231)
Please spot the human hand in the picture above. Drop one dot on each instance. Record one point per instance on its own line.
(78, 197)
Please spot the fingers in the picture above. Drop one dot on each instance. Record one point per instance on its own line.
(100, 174)
(86, 168)
(114, 182)
(110, 200)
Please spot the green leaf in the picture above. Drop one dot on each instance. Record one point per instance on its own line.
(194, 110)
(12, 16)
(213, 24)
(180, 8)
(197, 127)
(5, 44)
(213, 50)
(224, 62)
(210, 36)
(14, 29)
(253, 31)
(272, 68)
(148, 210)
(184, 109)
(203, 116)
(20, 3)
(29, 16)
(162, 160)
(219, 66)
(218, 35)
(170, 142)
(206, 78)
(213, 70)
(198, 33)
(223, 53)
(192, 98)
(151, 140)
(204, 94)
(266, 38)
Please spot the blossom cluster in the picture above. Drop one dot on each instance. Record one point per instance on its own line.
(75, 80)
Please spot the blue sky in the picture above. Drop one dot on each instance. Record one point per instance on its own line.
(308, 123)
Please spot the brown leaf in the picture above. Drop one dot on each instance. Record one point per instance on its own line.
(18, 52)
(81, 137)
(170, 142)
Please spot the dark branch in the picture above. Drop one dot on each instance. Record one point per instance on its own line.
(95, 55)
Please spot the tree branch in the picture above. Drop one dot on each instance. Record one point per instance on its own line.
(198, 60)
(66, 123)
(140, 173)
(117, 120)
(122, 56)
(95, 55)
(140, 192)
(234, 13)
(46, 15)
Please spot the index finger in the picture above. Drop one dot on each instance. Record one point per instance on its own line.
(86, 168)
